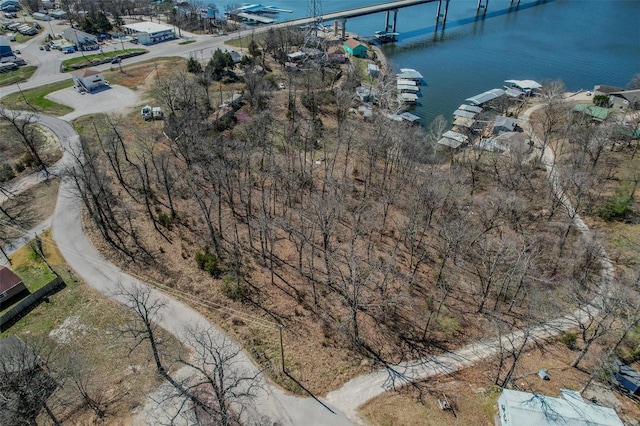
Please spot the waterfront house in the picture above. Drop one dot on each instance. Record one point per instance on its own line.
(355, 48)
(88, 79)
(12, 289)
(516, 408)
(626, 99)
(596, 113)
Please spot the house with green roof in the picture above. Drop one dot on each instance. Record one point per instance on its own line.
(595, 112)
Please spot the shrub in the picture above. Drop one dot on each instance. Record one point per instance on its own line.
(569, 339)
(617, 207)
(448, 325)
(233, 288)
(165, 220)
(6, 172)
(209, 262)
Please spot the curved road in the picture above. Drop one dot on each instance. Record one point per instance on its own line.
(96, 271)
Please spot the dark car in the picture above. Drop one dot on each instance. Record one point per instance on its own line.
(116, 60)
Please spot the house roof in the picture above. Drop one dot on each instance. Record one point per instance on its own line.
(86, 72)
(627, 377)
(524, 408)
(148, 27)
(502, 121)
(603, 88)
(632, 96)
(596, 112)
(8, 279)
(353, 44)
(77, 36)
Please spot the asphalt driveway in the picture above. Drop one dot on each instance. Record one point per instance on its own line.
(111, 98)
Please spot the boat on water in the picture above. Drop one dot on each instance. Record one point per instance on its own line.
(386, 36)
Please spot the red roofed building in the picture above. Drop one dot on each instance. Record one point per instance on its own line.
(88, 79)
(11, 286)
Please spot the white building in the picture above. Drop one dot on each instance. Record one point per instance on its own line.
(149, 32)
(527, 409)
(88, 79)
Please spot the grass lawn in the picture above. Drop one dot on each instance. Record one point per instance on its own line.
(17, 76)
(82, 321)
(243, 42)
(36, 98)
(88, 60)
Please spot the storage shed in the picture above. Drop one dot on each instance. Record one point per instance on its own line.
(355, 48)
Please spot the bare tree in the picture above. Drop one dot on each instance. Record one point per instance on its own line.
(221, 379)
(25, 127)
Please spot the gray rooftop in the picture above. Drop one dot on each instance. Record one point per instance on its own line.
(485, 97)
(528, 409)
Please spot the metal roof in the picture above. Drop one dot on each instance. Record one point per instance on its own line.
(596, 112)
(409, 74)
(523, 85)
(475, 109)
(451, 143)
(528, 409)
(464, 114)
(464, 122)
(455, 136)
(485, 97)
(502, 121)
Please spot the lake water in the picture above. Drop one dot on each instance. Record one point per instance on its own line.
(582, 42)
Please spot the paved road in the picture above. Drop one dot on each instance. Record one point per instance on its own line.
(95, 270)
(100, 274)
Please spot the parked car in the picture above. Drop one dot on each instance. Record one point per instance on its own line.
(116, 60)
(41, 47)
(16, 51)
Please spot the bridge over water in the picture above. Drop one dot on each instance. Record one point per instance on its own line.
(388, 7)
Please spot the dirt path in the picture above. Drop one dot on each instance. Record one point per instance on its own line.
(358, 391)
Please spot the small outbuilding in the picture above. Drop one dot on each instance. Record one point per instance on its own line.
(12, 289)
(88, 79)
(373, 70)
(355, 48)
(39, 16)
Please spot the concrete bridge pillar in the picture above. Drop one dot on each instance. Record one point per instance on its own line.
(442, 14)
(395, 19)
(344, 29)
(387, 25)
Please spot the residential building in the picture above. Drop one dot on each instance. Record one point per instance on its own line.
(595, 112)
(516, 408)
(10, 5)
(504, 124)
(12, 288)
(355, 48)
